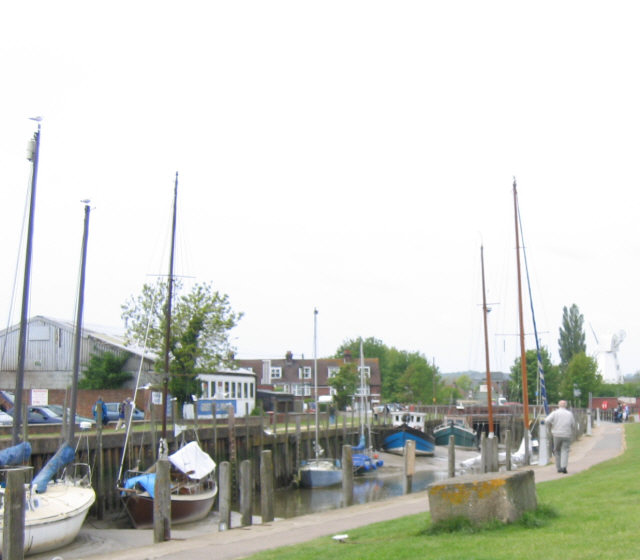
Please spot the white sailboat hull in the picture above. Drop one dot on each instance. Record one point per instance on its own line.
(53, 519)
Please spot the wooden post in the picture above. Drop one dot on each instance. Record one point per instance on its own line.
(100, 506)
(266, 486)
(452, 456)
(224, 496)
(298, 442)
(154, 431)
(493, 463)
(162, 497)
(14, 511)
(409, 465)
(245, 493)
(214, 420)
(347, 475)
(507, 450)
(483, 453)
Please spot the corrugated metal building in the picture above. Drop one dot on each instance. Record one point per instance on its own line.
(49, 353)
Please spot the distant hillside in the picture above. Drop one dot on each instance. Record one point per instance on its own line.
(476, 376)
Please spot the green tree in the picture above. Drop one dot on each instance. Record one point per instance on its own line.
(551, 377)
(580, 378)
(200, 324)
(572, 338)
(105, 371)
(394, 365)
(345, 382)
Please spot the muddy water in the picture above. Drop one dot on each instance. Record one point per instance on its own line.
(368, 488)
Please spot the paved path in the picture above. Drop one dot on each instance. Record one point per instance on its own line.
(606, 442)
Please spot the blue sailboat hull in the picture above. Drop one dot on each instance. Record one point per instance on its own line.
(395, 441)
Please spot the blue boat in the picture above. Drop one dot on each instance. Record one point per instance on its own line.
(395, 441)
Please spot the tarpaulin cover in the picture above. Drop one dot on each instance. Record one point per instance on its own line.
(144, 481)
(192, 461)
(62, 458)
(15, 455)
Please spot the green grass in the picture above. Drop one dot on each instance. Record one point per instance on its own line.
(593, 514)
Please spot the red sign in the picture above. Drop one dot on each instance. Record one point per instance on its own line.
(604, 405)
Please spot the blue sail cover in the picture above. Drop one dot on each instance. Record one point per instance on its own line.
(15, 455)
(62, 458)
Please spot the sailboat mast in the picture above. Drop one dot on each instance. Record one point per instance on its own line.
(315, 374)
(167, 331)
(78, 333)
(24, 315)
(362, 408)
(523, 356)
(485, 312)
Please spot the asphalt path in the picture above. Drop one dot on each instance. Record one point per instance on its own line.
(605, 442)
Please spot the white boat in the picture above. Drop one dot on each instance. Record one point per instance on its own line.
(55, 510)
(317, 473)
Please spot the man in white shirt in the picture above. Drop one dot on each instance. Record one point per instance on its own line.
(562, 425)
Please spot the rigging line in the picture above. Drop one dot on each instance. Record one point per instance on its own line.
(135, 391)
(543, 387)
(16, 272)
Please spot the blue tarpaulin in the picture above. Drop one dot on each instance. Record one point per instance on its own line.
(62, 458)
(145, 481)
(15, 455)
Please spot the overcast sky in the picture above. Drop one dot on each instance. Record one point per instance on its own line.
(350, 156)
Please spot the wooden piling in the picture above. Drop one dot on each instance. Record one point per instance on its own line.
(162, 498)
(224, 496)
(452, 456)
(507, 450)
(245, 493)
(14, 512)
(347, 475)
(409, 466)
(266, 487)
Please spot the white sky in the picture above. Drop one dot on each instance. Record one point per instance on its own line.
(344, 155)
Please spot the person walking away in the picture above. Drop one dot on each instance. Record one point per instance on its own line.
(100, 406)
(562, 425)
(121, 414)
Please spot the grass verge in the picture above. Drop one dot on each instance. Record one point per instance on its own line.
(589, 515)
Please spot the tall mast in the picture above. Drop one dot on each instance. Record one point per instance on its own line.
(24, 315)
(167, 332)
(315, 374)
(78, 333)
(485, 312)
(523, 356)
(363, 412)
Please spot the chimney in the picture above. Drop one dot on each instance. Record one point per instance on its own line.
(289, 356)
(346, 355)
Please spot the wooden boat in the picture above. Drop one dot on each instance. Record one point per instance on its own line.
(192, 484)
(193, 489)
(318, 472)
(54, 510)
(395, 441)
(456, 426)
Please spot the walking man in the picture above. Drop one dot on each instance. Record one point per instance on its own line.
(562, 425)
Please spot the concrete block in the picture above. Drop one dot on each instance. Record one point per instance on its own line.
(483, 497)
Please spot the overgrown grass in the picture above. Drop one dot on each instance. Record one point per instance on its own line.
(593, 514)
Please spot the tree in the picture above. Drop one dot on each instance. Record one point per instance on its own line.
(572, 337)
(581, 378)
(394, 365)
(551, 377)
(200, 325)
(105, 371)
(345, 383)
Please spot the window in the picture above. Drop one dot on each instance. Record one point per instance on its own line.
(276, 373)
(366, 370)
(304, 372)
(332, 371)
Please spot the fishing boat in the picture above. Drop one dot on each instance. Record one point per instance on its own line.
(55, 509)
(192, 484)
(409, 425)
(318, 472)
(464, 436)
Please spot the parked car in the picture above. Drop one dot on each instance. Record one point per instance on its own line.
(112, 412)
(40, 415)
(57, 409)
(5, 419)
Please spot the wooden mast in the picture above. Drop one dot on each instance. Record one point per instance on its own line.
(485, 312)
(167, 331)
(24, 315)
(523, 357)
